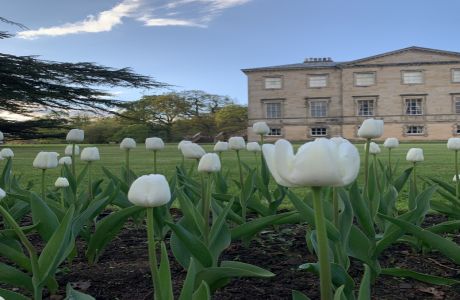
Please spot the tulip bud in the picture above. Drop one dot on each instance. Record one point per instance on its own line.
(455, 178)
(371, 128)
(68, 150)
(236, 143)
(322, 162)
(127, 144)
(192, 150)
(453, 144)
(415, 155)
(46, 160)
(2, 194)
(65, 160)
(253, 147)
(209, 163)
(373, 148)
(221, 147)
(181, 143)
(154, 143)
(260, 128)
(391, 143)
(149, 191)
(75, 136)
(61, 182)
(90, 154)
(7, 153)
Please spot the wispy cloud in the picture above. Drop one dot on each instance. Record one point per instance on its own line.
(191, 13)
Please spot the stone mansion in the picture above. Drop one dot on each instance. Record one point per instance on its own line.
(416, 91)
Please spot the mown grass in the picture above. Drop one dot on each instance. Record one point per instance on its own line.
(439, 161)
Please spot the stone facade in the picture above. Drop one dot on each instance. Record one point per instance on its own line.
(416, 91)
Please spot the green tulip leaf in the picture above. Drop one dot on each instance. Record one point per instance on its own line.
(431, 279)
(296, 295)
(202, 293)
(165, 275)
(18, 257)
(9, 295)
(73, 294)
(365, 286)
(15, 277)
(41, 213)
(339, 294)
(445, 227)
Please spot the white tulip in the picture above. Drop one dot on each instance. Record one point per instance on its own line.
(149, 191)
(61, 182)
(75, 136)
(371, 128)
(192, 150)
(260, 128)
(154, 143)
(253, 147)
(127, 144)
(68, 150)
(322, 162)
(373, 148)
(415, 155)
(236, 143)
(453, 144)
(455, 178)
(1, 136)
(181, 143)
(391, 143)
(209, 163)
(46, 160)
(65, 160)
(90, 154)
(2, 194)
(7, 153)
(221, 147)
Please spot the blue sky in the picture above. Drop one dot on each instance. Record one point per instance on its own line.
(203, 44)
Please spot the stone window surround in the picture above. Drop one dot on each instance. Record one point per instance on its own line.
(375, 98)
(365, 72)
(452, 75)
(317, 99)
(404, 130)
(317, 74)
(273, 76)
(413, 96)
(264, 103)
(455, 98)
(276, 127)
(412, 70)
(310, 135)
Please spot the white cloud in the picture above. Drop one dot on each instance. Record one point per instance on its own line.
(191, 13)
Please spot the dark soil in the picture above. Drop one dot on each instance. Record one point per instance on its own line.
(122, 272)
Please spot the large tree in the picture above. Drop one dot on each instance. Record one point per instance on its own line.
(28, 84)
(204, 103)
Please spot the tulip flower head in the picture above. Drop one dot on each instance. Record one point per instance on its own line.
(68, 150)
(415, 155)
(453, 144)
(209, 163)
(61, 182)
(75, 136)
(373, 148)
(322, 162)
(7, 153)
(371, 128)
(221, 147)
(236, 143)
(260, 128)
(181, 143)
(128, 144)
(253, 147)
(2, 195)
(391, 143)
(149, 191)
(65, 160)
(46, 160)
(154, 143)
(192, 151)
(90, 154)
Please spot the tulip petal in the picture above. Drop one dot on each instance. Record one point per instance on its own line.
(348, 162)
(269, 155)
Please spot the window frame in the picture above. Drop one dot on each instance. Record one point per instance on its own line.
(275, 128)
(310, 76)
(355, 81)
(273, 77)
(452, 72)
(326, 131)
(324, 101)
(413, 71)
(358, 107)
(406, 129)
(410, 98)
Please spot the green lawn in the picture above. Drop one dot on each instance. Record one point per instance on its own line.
(438, 160)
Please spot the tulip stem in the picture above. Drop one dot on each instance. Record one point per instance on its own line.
(323, 248)
(90, 182)
(152, 253)
(389, 164)
(62, 198)
(457, 181)
(128, 173)
(335, 204)
(73, 161)
(376, 173)
(243, 205)
(43, 184)
(414, 173)
(155, 161)
(261, 139)
(366, 167)
(206, 209)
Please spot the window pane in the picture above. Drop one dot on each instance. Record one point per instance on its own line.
(273, 110)
(318, 80)
(318, 108)
(456, 75)
(457, 105)
(318, 131)
(364, 79)
(414, 129)
(365, 107)
(273, 83)
(414, 106)
(413, 77)
(275, 131)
